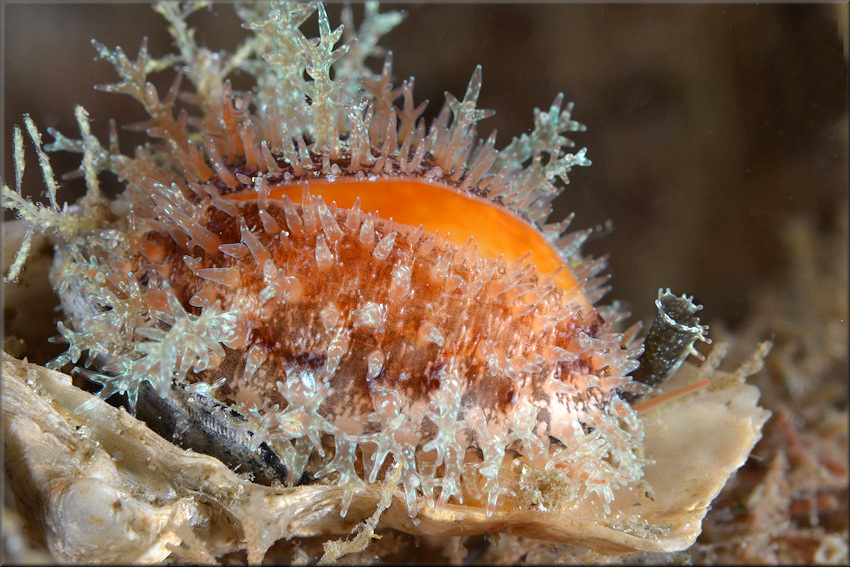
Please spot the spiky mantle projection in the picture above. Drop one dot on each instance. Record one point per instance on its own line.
(353, 344)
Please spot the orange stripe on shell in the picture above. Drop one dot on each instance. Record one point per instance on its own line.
(456, 214)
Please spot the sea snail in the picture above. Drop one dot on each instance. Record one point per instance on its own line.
(335, 290)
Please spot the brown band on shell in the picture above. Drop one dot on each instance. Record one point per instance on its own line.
(670, 339)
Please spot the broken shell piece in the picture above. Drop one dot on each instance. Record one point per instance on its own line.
(149, 498)
(196, 421)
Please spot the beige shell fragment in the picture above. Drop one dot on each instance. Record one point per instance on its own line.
(103, 487)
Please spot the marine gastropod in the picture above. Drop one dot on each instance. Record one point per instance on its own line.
(337, 294)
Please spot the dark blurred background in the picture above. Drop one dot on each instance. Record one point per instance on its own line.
(709, 126)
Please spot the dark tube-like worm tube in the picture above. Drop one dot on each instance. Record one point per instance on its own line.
(670, 339)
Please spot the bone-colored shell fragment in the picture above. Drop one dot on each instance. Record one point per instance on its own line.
(150, 498)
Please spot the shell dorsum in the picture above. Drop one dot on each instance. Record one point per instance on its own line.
(355, 301)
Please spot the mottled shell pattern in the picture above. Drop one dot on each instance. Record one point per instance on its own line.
(369, 294)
